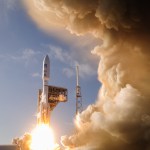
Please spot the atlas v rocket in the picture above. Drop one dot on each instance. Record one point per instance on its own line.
(44, 108)
(49, 96)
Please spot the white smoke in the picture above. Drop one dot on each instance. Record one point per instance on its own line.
(120, 119)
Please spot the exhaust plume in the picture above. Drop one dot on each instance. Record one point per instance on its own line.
(120, 119)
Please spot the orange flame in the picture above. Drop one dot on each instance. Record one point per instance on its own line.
(42, 138)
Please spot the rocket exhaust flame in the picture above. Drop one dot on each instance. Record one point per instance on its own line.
(120, 119)
(42, 138)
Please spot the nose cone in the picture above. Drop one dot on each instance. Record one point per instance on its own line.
(46, 59)
(46, 68)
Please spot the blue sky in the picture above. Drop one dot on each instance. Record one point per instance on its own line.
(22, 49)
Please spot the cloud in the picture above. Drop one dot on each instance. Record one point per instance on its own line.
(59, 54)
(36, 74)
(29, 53)
(86, 69)
(10, 4)
(27, 56)
(6, 6)
(71, 60)
(68, 72)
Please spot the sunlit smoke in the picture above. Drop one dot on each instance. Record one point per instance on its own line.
(120, 119)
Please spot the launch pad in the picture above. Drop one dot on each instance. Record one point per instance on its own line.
(55, 95)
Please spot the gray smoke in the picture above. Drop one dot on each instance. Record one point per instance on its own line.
(120, 119)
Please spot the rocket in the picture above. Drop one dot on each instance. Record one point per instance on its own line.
(49, 96)
(44, 108)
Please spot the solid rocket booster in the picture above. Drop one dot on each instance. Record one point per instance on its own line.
(44, 110)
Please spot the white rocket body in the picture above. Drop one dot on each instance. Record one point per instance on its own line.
(44, 110)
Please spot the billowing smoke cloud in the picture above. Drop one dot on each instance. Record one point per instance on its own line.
(120, 119)
(23, 143)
